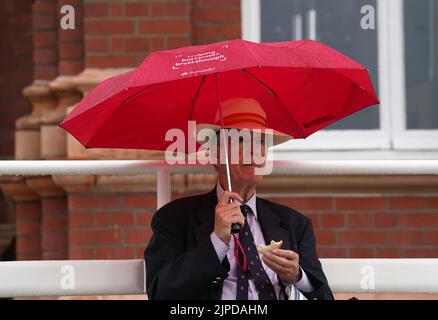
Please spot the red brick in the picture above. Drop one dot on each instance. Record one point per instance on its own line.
(52, 242)
(123, 253)
(45, 72)
(309, 203)
(332, 252)
(83, 201)
(94, 237)
(70, 35)
(178, 9)
(70, 50)
(44, 40)
(169, 26)
(54, 255)
(216, 2)
(137, 9)
(137, 44)
(157, 43)
(71, 67)
(137, 236)
(92, 10)
(419, 220)
(44, 6)
(97, 45)
(118, 44)
(102, 253)
(143, 218)
(231, 30)
(406, 237)
(176, 42)
(28, 227)
(123, 218)
(117, 10)
(54, 205)
(361, 253)
(28, 245)
(432, 203)
(140, 201)
(216, 14)
(388, 253)
(386, 220)
(325, 237)
(360, 220)
(80, 253)
(53, 223)
(28, 210)
(406, 203)
(80, 219)
(113, 61)
(43, 56)
(44, 22)
(332, 220)
(420, 253)
(359, 203)
(362, 237)
(157, 9)
(109, 27)
(431, 237)
(108, 237)
(102, 218)
(81, 237)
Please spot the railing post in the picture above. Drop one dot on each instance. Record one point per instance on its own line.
(164, 191)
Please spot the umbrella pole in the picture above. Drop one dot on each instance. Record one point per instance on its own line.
(224, 140)
(235, 227)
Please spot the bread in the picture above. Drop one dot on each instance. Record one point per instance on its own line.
(273, 245)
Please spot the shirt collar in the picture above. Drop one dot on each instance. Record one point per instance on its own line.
(251, 201)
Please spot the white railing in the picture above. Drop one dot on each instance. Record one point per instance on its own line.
(127, 277)
(102, 277)
(164, 171)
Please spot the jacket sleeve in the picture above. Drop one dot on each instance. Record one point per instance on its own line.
(171, 271)
(312, 266)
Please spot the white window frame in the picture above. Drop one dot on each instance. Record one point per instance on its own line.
(392, 140)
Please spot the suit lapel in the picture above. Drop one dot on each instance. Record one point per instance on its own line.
(205, 217)
(270, 224)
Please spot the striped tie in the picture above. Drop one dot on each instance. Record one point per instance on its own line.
(255, 270)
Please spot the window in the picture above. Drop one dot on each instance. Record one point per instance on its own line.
(401, 53)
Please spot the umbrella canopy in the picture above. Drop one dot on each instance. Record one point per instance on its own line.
(302, 86)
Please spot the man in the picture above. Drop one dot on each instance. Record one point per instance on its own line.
(193, 254)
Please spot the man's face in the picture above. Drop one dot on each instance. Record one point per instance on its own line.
(246, 154)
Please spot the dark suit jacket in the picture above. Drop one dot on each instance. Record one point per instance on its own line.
(181, 262)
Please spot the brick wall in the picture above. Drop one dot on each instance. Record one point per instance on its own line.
(54, 226)
(215, 20)
(369, 226)
(16, 68)
(28, 228)
(45, 39)
(120, 34)
(357, 226)
(109, 226)
(70, 42)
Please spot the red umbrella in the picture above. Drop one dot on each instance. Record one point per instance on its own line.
(302, 86)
